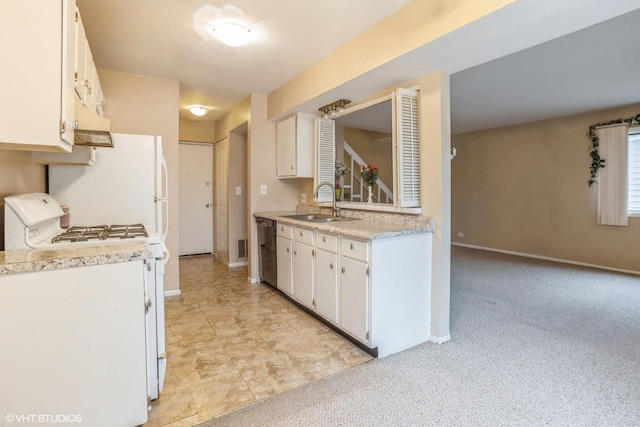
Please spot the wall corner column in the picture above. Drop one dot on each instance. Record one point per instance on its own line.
(435, 188)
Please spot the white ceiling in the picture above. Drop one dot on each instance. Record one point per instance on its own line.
(157, 38)
(538, 58)
(592, 69)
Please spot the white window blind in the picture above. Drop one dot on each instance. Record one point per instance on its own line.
(325, 157)
(408, 152)
(634, 174)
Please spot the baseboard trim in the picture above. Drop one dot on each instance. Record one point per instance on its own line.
(560, 260)
(237, 264)
(172, 293)
(439, 340)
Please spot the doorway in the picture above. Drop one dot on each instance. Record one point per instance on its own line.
(195, 175)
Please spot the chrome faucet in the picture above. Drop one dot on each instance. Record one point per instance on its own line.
(334, 209)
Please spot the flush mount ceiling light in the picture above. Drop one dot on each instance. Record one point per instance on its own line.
(198, 110)
(333, 109)
(232, 34)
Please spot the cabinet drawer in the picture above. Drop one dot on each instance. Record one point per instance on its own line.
(327, 242)
(355, 249)
(285, 231)
(303, 235)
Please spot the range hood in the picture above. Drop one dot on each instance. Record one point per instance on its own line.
(92, 130)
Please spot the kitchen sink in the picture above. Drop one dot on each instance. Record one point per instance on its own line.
(318, 218)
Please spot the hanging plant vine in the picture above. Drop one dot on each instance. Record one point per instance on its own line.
(597, 162)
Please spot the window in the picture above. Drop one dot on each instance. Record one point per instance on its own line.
(634, 172)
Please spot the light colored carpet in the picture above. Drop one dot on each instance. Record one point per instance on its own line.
(534, 343)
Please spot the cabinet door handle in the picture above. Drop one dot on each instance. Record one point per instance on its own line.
(331, 265)
(301, 234)
(352, 246)
(343, 270)
(295, 252)
(287, 249)
(324, 239)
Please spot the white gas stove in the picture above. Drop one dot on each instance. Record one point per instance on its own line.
(32, 221)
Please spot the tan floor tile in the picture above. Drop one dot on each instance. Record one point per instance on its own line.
(221, 395)
(213, 314)
(208, 366)
(270, 376)
(171, 406)
(231, 343)
(189, 349)
(175, 376)
(185, 422)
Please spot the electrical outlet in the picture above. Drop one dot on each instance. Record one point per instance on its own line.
(263, 190)
(238, 191)
(303, 197)
(460, 234)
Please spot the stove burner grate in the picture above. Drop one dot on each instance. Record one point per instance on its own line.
(101, 232)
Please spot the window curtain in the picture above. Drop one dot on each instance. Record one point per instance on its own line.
(612, 179)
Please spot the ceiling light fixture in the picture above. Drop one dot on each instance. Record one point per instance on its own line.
(198, 110)
(332, 110)
(232, 34)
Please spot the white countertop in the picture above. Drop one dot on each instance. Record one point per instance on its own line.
(25, 260)
(361, 228)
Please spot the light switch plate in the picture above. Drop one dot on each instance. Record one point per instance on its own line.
(263, 190)
(303, 197)
(238, 191)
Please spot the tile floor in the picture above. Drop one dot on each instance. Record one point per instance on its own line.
(231, 343)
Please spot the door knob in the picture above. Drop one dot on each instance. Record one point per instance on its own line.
(208, 205)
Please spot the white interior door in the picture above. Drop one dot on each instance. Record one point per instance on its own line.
(222, 197)
(196, 198)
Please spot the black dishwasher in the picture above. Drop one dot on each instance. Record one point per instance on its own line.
(267, 243)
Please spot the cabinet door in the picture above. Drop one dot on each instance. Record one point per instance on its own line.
(286, 147)
(326, 284)
(303, 273)
(354, 301)
(81, 46)
(284, 249)
(36, 41)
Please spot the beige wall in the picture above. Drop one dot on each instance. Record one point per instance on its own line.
(197, 131)
(435, 191)
(149, 106)
(17, 175)
(261, 166)
(524, 189)
(238, 204)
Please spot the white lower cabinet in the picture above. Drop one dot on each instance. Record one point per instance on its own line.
(354, 298)
(284, 258)
(376, 291)
(74, 343)
(303, 273)
(326, 285)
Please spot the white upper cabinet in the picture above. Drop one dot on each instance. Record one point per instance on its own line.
(87, 84)
(294, 145)
(80, 59)
(37, 42)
